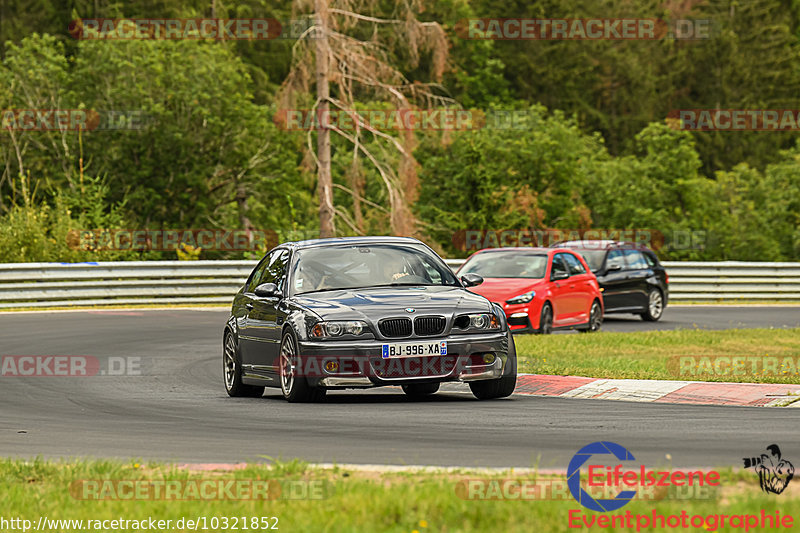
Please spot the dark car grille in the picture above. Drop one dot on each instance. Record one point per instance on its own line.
(413, 367)
(429, 325)
(396, 327)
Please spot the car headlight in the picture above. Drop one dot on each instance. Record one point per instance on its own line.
(478, 321)
(522, 298)
(338, 328)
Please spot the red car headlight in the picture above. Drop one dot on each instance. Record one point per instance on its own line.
(522, 298)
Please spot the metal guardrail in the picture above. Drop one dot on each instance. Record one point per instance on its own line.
(733, 280)
(121, 282)
(186, 282)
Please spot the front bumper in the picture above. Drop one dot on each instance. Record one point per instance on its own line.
(523, 318)
(470, 357)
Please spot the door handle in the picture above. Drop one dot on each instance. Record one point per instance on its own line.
(248, 305)
(572, 286)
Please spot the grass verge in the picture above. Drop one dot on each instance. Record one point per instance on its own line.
(656, 355)
(353, 501)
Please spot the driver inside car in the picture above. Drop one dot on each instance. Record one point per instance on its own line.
(393, 270)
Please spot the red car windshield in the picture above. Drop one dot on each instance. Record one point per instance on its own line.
(506, 265)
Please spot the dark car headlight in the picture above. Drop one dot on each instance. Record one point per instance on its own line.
(339, 328)
(522, 298)
(478, 321)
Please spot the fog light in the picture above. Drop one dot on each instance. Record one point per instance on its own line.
(488, 358)
(331, 366)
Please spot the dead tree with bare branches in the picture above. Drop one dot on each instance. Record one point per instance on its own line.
(347, 69)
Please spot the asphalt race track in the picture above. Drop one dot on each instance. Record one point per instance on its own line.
(708, 317)
(176, 408)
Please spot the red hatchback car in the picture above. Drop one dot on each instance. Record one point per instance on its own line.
(540, 289)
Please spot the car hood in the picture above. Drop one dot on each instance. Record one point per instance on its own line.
(373, 304)
(501, 289)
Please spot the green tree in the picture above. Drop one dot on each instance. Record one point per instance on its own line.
(494, 178)
(206, 154)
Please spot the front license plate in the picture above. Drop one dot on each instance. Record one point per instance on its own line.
(414, 349)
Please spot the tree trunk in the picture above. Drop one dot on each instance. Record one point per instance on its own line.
(241, 203)
(327, 227)
(406, 224)
(356, 178)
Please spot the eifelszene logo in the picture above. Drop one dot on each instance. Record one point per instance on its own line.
(774, 472)
(574, 476)
(616, 477)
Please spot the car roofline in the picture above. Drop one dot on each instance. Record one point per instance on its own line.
(343, 241)
(517, 249)
(599, 244)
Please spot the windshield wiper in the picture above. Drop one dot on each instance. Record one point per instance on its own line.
(384, 285)
(321, 290)
(379, 286)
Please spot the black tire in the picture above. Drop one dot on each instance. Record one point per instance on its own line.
(420, 390)
(295, 388)
(232, 372)
(503, 386)
(595, 318)
(546, 320)
(655, 306)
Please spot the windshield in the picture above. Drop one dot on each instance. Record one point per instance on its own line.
(367, 265)
(594, 258)
(506, 265)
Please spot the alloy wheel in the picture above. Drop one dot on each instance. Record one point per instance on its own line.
(595, 317)
(547, 321)
(229, 361)
(656, 304)
(288, 365)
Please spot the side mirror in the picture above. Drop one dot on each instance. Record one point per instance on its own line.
(614, 267)
(268, 290)
(556, 276)
(471, 279)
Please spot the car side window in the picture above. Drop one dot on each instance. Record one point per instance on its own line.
(276, 271)
(651, 262)
(635, 260)
(275, 268)
(258, 273)
(559, 266)
(615, 258)
(573, 264)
